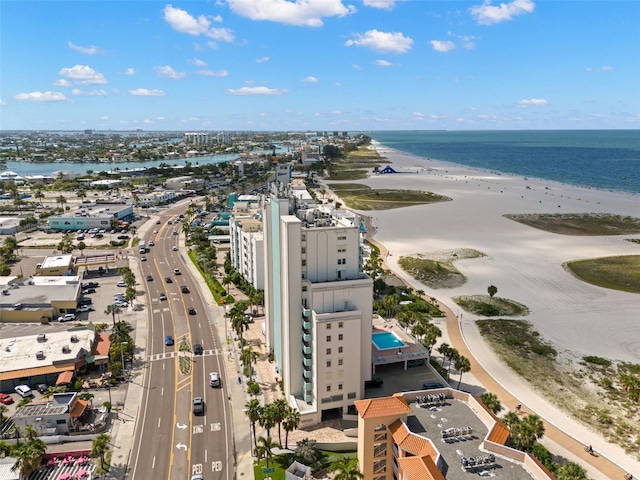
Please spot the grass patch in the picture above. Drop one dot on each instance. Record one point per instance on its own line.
(362, 197)
(356, 165)
(491, 307)
(436, 270)
(591, 390)
(617, 273)
(583, 224)
(217, 290)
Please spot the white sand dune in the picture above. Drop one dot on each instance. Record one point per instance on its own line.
(524, 263)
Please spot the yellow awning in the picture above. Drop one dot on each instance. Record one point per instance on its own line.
(32, 372)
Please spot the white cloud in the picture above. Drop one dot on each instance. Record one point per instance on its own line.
(148, 121)
(537, 102)
(197, 62)
(104, 117)
(130, 71)
(212, 73)
(382, 42)
(468, 42)
(92, 50)
(442, 45)
(337, 84)
(2, 103)
(83, 75)
(262, 60)
(310, 79)
(356, 67)
(256, 91)
(62, 83)
(418, 115)
(184, 22)
(381, 4)
(42, 97)
(487, 14)
(605, 68)
(308, 13)
(144, 92)
(89, 93)
(165, 71)
(383, 63)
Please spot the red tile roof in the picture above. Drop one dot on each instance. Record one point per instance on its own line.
(382, 407)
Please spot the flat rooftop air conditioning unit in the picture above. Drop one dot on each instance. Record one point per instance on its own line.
(39, 354)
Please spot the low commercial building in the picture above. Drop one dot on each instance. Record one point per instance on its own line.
(56, 266)
(39, 299)
(162, 197)
(184, 182)
(58, 416)
(9, 225)
(96, 215)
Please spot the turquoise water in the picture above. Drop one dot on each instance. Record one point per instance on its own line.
(604, 159)
(386, 341)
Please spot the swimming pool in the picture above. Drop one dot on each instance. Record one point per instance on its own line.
(386, 341)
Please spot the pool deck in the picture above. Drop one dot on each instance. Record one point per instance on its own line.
(412, 350)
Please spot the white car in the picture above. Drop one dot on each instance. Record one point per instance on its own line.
(121, 283)
(143, 258)
(67, 318)
(175, 249)
(151, 244)
(23, 390)
(155, 231)
(85, 308)
(121, 304)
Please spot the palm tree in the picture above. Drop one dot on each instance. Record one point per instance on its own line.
(571, 471)
(38, 194)
(81, 246)
(491, 401)
(100, 447)
(347, 468)
(290, 423)
(3, 410)
(307, 450)
(248, 357)
(444, 351)
(280, 409)
(28, 456)
(266, 446)
(61, 200)
(239, 323)
(87, 397)
(431, 336)
(53, 389)
(130, 294)
(254, 412)
(113, 310)
(525, 433)
(267, 420)
(463, 365)
(227, 280)
(453, 357)
(510, 420)
(65, 245)
(492, 290)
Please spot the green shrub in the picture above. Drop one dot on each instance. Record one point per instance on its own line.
(597, 360)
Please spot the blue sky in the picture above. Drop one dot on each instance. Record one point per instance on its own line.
(319, 65)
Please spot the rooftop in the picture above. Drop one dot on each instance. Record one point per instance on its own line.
(57, 262)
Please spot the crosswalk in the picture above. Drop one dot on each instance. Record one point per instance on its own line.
(170, 355)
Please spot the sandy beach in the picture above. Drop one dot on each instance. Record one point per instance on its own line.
(524, 263)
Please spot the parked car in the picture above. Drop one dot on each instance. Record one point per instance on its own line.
(184, 289)
(192, 311)
(416, 362)
(41, 387)
(162, 296)
(6, 399)
(198, 406)
(168, 340)
(168, 279)
(67, 317)
(123, 237)
(197, 349)
(23, 390)
(85, 301)
(90, 285)
(121, 283)
(121, 304)
(87, 291)
(214, 379)
(432, 385)
(85, 308)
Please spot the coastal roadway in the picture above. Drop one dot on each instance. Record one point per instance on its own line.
(170, 441)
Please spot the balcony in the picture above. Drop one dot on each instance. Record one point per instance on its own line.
(306, 350)
(308, 386)
(306, 324)
(306, 312)
(308, 398)
(307, 362)
(307, 337)
(307, 374)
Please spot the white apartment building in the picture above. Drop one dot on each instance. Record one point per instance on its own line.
(247, 247)
(196, 138)
(318, 306)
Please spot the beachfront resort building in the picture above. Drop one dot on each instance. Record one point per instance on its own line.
(318, 305)
(247, 245)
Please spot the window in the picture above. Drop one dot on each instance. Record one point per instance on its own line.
(340, 361)
(328, 351)
(328, 363)
(341, 337)
(340, 324)
(342, 250)
(328, 388)
(304, 237)
(341, 261)
(339, 386)
(304, 250)
(342, 237)
(328, 338)
(304, 288)
(339, 349)
(304, 263)
(328, 326)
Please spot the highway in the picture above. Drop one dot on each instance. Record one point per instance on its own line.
(170, 441)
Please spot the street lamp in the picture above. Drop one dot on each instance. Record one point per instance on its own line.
(122, 354)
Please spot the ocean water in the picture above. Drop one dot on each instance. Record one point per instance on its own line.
(604, 159)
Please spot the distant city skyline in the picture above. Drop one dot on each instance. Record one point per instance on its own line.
(328, 65)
